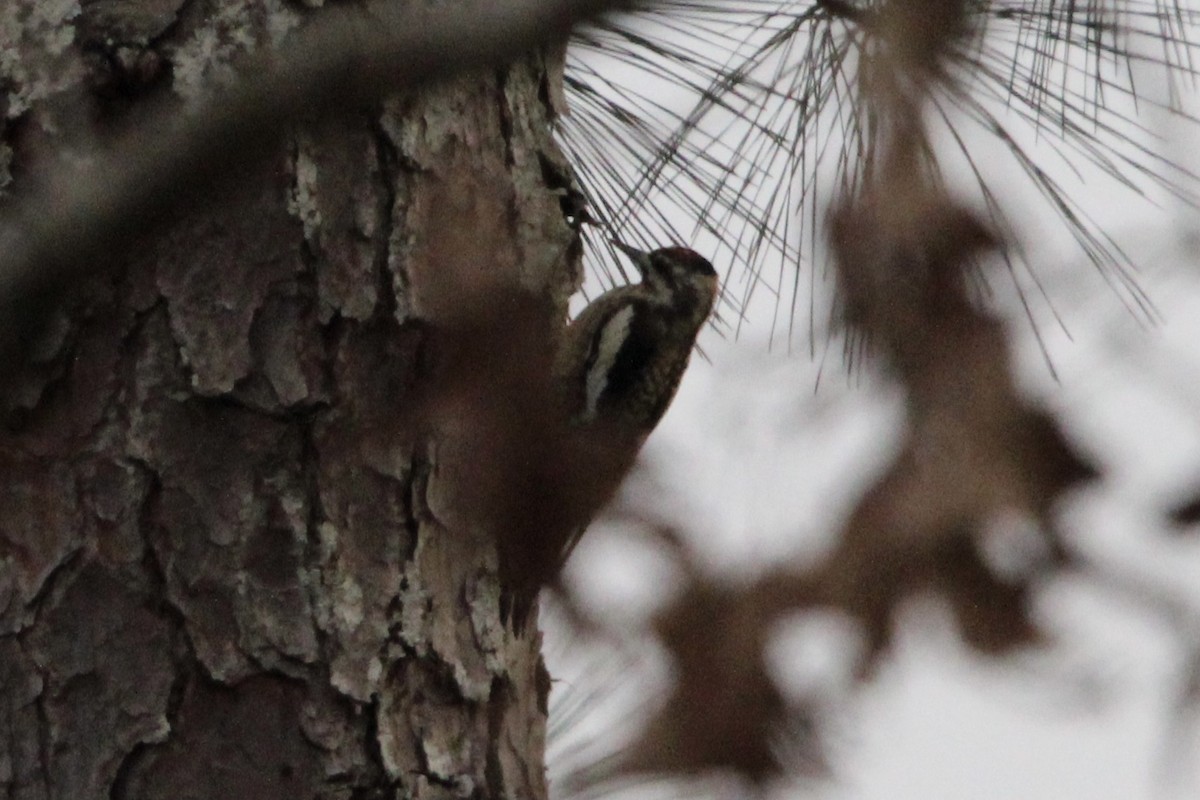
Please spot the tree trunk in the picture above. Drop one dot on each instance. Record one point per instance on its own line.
(233, 557)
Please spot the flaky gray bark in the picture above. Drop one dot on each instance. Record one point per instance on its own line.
(232, 562)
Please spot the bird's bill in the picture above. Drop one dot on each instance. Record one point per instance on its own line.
(640, 258)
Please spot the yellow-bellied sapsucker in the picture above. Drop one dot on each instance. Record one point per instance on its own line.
(616, 371)
(624, 355)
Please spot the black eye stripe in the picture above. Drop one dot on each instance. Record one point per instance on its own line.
(662, 268)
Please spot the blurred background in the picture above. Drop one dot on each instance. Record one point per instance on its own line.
(777, 435)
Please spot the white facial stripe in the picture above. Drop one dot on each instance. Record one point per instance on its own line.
(612, 336)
